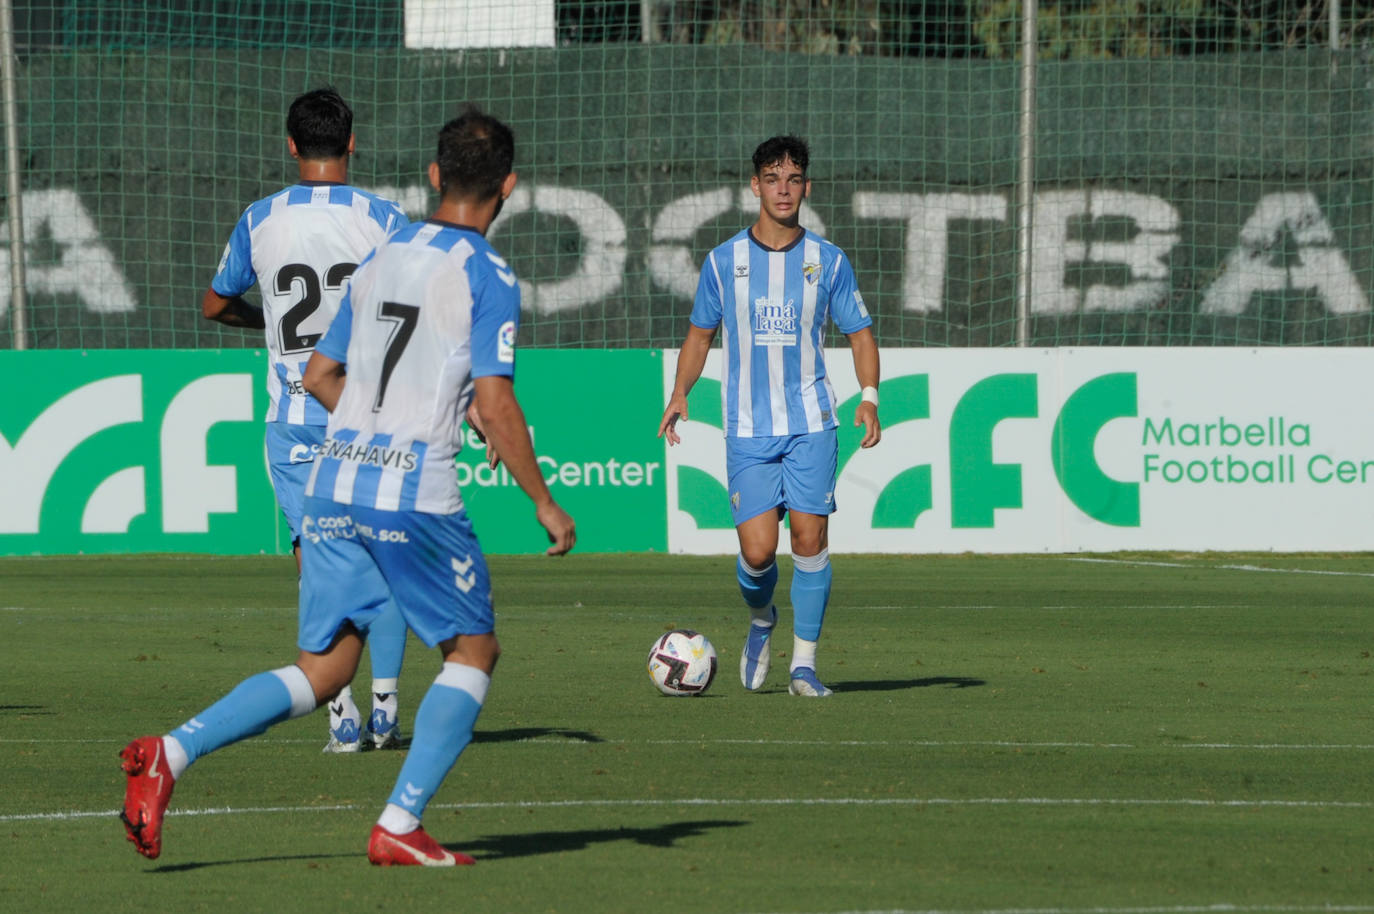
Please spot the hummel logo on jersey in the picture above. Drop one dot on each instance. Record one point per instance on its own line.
(502, 270)
(741, 270)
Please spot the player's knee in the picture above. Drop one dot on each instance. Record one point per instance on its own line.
(326, 685)
(327, 673)
(807, 542)
(757, 557)
(480, 651)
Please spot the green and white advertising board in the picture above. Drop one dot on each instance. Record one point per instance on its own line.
(162, 451)
(984, 450)
(128, 451)
(1059, 450)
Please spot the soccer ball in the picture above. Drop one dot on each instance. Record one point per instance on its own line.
(682, 663)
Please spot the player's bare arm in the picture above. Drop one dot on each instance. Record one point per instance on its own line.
(324, 379)
(232, 312)
(506, 429)
(691, 359)
(865, 350)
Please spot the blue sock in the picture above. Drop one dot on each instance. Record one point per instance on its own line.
(254, 705)
(810, 593)
(386, 642)
(443, 729)
(755, 584)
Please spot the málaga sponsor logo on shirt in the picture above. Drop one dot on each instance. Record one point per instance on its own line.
(775, 322)
(369, 454)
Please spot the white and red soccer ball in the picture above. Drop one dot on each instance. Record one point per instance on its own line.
(682, 663)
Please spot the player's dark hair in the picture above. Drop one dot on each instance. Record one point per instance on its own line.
(476, 152)
(320, 122)
(778, 148)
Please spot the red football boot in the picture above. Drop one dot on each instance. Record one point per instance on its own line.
(146, 793)
(414, 848)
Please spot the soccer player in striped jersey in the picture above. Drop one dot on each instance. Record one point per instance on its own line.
(426, 331)
(769, 291)
(301, 244)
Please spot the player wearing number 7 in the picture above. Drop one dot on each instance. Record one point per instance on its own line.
(302, 244)
(427, 328)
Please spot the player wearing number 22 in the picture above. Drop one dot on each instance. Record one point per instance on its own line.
(769, 290)
(303, 243)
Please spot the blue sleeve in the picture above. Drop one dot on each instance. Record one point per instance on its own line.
(847, 306)
(707, 309)
(235, 275)
(495, 316)
(389, 216)
(334, 343)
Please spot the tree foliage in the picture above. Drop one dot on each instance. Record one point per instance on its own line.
(1066, 29)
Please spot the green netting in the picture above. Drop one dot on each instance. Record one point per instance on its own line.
(1203, 172)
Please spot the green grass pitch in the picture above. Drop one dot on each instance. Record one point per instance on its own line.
(1059, 734)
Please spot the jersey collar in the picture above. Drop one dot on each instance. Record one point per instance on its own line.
(457, 225)
(795, 241)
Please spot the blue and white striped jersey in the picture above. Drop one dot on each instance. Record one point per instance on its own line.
(430, 310)
(772, 307)
(302, 243)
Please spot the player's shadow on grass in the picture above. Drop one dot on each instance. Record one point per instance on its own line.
(523, 734)
(895, 685)
(528, 844)
(171, 868)
(502, 847)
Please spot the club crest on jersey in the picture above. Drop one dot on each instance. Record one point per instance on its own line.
(505, 342)
(775, 322)
(812, 272)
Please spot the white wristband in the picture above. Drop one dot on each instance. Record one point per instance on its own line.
(870, 395)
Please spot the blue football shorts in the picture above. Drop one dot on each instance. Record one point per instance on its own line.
(796, 472)
(353, 558)
(291, 451)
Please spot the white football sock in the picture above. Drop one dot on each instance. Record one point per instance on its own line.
(398, 821)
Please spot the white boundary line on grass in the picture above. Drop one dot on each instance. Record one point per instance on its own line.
(573, 742)
(1227, 567)
(1178, 909)
(748, 801)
